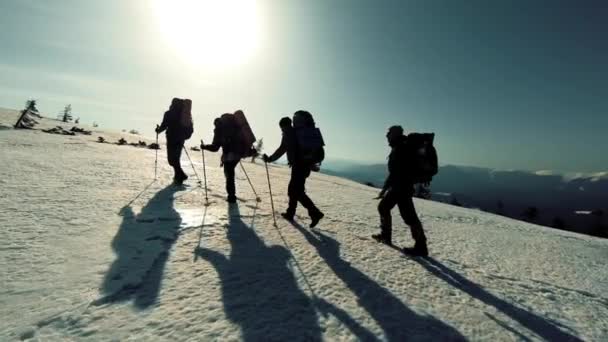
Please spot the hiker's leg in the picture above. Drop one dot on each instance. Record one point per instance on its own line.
(409, 215)
(173, 158)
(178, 157)
(295, 188)
(303, 198)
(229, 171)
(384, 209)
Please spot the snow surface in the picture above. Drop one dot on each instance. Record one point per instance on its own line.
(94, 249)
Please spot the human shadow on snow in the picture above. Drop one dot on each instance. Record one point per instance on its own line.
(259, 291)
(142, 246)
(398, 322)
(543, 327)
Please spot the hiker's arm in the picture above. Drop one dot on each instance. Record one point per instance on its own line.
(211, 147)
(279, 152)
(215, 145)
(163, 126)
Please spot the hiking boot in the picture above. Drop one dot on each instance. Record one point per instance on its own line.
(315, 218)
(419, 249)
(382, 238)
(288, 217)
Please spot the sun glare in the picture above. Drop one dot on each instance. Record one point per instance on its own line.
(211, 33)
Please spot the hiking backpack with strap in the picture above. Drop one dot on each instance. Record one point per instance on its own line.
(185, 119)
(422, 163)
(237, 137)
(310, 142)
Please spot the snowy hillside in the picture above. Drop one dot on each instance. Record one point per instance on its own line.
(94, 249)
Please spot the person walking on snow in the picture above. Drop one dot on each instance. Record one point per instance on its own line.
(176, 138)
(398, 191)
(300, 169)
(224, 136)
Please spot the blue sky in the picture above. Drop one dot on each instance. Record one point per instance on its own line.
(503, 84)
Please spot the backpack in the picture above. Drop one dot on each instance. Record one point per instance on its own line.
(422, 158)
(237, 136)
(309, 139)
(185, 119)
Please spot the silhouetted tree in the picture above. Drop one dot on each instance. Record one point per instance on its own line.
(95, 124)
(259, 147)
(530, 214)
(558, 223)
(455, 202)
(77, 121)
(599, 228)
(500, 207)
(25, 119)
(423, 191)
(66, 114)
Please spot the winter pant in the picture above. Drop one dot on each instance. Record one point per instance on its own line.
(297, 191)
(404, 201)
(229, 171)
(174, 154)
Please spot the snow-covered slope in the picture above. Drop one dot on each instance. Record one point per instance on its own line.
(94, 249)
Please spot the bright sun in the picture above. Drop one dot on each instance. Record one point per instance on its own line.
(212, 33)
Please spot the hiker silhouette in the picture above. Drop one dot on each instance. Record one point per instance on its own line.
(301, 166)
(259, 291)
(142, 246)
(398, 322)
(176, 133)
(546, 329)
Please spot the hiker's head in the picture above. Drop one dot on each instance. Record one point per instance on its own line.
(303, 118)
(285, 123)
(394, 134)
(240, 112)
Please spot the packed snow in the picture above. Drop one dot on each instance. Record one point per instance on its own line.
(93, 248)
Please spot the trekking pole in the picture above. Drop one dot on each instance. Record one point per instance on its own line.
(270, 190)
(257, 198)
(156, 157)
(204, 173)
(193, 169)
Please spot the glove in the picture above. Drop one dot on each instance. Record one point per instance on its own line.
(266, 158)
(157, 130)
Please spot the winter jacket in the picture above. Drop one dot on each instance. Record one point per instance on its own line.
(398, 173)
(174, 131)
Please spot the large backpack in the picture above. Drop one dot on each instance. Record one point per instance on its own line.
(237, 137)
(185, 119)
(422, 162)
(310, 141)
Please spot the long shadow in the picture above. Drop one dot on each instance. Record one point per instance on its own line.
(398, 322)
(135, 198)
(142, 246)
(544, 328)
(259, 291)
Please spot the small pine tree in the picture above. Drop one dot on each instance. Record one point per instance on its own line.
(530, 214)
(77, 121)
(259, 147)
(558, 223)
(500, 206)
(25, 119)
(455, 202)
(66, 114)
(423, 191)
